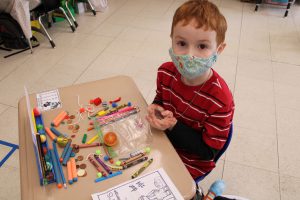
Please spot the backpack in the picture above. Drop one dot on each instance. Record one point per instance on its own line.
(11, 34)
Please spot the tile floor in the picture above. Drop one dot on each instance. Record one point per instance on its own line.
(261, 65)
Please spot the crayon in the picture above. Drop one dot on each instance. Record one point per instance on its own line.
(80, 146)
(142, 168)
(69, 169)
(84, 138)
(108, 176)
(131, 159)
(98, 168)
(102, 164)
(65, 151)
(73, 168)
(59, 165)
(93, 139)
(50, 134)
(135, 162)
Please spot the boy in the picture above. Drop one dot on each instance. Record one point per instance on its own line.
(193, 104)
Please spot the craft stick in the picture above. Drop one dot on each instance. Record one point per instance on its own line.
(65, 151)
(73, 168)
(93, 139)
(108, 176)
(34, 122)
(69, 170)
(59, 118)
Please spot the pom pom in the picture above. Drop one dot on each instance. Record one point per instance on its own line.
(97, 101)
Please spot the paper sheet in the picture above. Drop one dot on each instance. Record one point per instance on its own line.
(155, 185)
(48, 100)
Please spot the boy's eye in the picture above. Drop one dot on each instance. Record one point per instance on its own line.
(181, 43)
(202, 46)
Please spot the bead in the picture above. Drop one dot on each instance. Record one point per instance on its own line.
(106, 158)
(43, 138)
(99, 174)
(118, 163)
(147, 149)
(39, 127)
(81, 110)
(114, 104)
(98, 152)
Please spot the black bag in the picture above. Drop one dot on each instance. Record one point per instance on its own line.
(11, 34)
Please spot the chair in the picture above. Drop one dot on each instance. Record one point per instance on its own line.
(288, 4)
(220, 153)
(43, 9)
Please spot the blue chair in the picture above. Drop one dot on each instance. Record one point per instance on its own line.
(220, 153)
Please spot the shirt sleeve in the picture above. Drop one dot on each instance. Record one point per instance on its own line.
(158, 97)
(217, 126)
(187, 138)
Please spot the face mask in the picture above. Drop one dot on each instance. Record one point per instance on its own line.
(191, 67)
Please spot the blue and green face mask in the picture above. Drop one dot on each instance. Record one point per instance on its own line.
(191, 67)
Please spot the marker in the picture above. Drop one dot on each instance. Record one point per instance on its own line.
(50, 133)
(142, 168)
(59, 118)
(69, 169)
(59, 165)
(65, 151)
(135, 162)
(56, 132)
(67, 156)
(73, 169)
(108, 176)
(56, 171)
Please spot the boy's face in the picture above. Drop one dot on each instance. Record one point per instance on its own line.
(189, 40)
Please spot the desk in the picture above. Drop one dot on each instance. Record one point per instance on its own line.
(163, 153)
(20, 11)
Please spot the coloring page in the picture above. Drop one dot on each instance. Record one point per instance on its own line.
(152, 186)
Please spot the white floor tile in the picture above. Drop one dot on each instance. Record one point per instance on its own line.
(250, 182)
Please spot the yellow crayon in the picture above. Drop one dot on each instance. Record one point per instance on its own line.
(142, 168)
(92, 139)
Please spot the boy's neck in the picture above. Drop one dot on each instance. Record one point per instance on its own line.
(199, 80)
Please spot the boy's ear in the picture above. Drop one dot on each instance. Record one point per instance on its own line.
(221, 47)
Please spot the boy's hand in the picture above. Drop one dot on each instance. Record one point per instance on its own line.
(159, 118)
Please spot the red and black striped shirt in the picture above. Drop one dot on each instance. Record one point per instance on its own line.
(204, 115)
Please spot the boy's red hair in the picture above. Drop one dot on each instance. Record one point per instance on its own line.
(205, 14)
